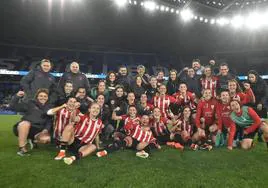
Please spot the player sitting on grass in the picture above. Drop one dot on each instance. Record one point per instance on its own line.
(159, 126)
(205, 121)
(182, 131)
(78, 138)
(138, 137)
(64, 115)
(248, 121)
(35, 123)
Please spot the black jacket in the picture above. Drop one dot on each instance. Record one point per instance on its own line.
(259, 88)
(105, 114)
(223, 82)
(118, 102)
(172, 86)
(37, 79)
(124, 81)
(63, 98)
(78, 80)
(138, 91)
(34, 112)
(151, 92)
(193, 85)
(84, 104)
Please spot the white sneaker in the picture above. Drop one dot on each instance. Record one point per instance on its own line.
(142, 154)
(68, 160)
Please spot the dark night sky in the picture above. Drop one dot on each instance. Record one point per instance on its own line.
(99, 24)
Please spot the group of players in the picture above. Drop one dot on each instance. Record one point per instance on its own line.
(196, 108)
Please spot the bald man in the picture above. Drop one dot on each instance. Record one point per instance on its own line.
(78, 79)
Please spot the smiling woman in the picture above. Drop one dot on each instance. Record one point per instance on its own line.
(35, 123)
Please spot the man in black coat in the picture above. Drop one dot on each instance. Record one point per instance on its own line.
(37, 78)
(224, 76)
(123, 78)
(78, 79)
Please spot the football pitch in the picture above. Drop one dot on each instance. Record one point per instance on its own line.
(165, 168)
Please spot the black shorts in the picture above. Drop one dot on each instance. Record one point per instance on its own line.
(248, 136)
(32, 132)
(75, 146)
(134, 143)
(163, 139)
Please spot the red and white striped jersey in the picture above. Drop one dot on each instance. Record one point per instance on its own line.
(187, 100)
(163, 102)
(87, 129)
(135, 131)
(159, 128)
(210, 84)
(127, 119)
(63, 118)
(187, 126)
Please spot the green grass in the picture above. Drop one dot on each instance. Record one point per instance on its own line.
(165, 168)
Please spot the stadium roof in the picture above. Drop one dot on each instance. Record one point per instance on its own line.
(101, 25)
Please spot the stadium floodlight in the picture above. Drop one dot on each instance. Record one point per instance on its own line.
(201, 19)
(150, 5)
(212, 21)
(162, 8)
(120, 3)
(177, 11)
(237, 21)
(186, 14)
(206, 20)
(223, 21)
(254, 20)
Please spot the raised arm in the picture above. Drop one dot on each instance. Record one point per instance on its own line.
(53, 111)
(114, 116)
(17, 104)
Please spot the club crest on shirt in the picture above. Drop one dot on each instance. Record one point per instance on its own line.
(212, 106)
(98, 126)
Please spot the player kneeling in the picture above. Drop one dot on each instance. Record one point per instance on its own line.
(35, 124)
(248, 122)
(78, 138)
(206, 121)
(160, 128)
(182, 131)
(138, 138)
